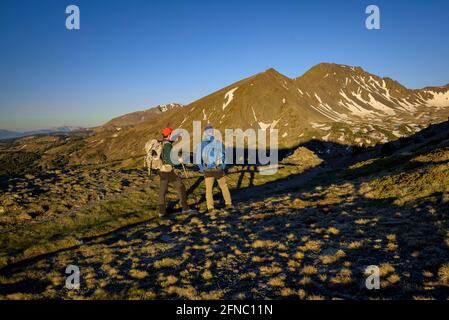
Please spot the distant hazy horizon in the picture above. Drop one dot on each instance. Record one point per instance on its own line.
(133, 55)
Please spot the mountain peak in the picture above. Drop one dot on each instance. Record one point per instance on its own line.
(270, 73)
(271, 70)
(325, 67)
(134, 118)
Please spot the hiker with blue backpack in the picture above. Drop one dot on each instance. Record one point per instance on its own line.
(210, 159)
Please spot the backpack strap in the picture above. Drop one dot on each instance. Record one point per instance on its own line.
(218, 153)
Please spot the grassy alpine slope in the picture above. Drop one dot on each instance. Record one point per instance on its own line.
(56, 209)
(352, 182)
(301, 239)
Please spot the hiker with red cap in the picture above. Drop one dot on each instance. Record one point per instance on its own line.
(158, 158)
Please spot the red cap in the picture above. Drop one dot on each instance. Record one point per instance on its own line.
(166, 132)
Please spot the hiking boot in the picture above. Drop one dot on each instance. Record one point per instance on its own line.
(162, 210)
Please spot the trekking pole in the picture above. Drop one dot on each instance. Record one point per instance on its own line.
(186, 176)
(185, 171)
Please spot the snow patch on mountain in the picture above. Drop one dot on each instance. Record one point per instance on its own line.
(380, 106)
(229, 96)
(254, 114)
(317, 125)
(265, 126)
(183, 121)
(397, 133)
(439, 99)
(353, 107)
(167, 107)
(329, 113)
(407, 106)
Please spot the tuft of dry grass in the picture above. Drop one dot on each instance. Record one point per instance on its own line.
(270, 270)
(305, 281)
(362, 221)
(333, 231)
(422, 298)
(276, 282)
(394, 279)
(167, 263)
(386, 269)
(391, 246)
(312, 245)
(263, 244)
(287, 292)
(168, 280)
(138, 274)
(188, 292)
(355, 245)
(302, 294)
(207, 275)
(327, 201)
(309, 270)
(257, 259)
(248, 276)
(344, 276)
(292, 264)
(19, 296)
(329, 259)
(427, 274)
(316, 297)
(391, 237)
(443, 273)
(299, 255)
(212, 295)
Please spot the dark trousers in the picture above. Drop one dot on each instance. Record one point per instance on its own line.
(165, 179)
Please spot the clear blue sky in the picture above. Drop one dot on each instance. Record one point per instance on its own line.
(131, 55)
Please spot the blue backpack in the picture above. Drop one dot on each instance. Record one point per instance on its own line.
(212, 155)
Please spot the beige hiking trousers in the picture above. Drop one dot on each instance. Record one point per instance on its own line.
(221, 179)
